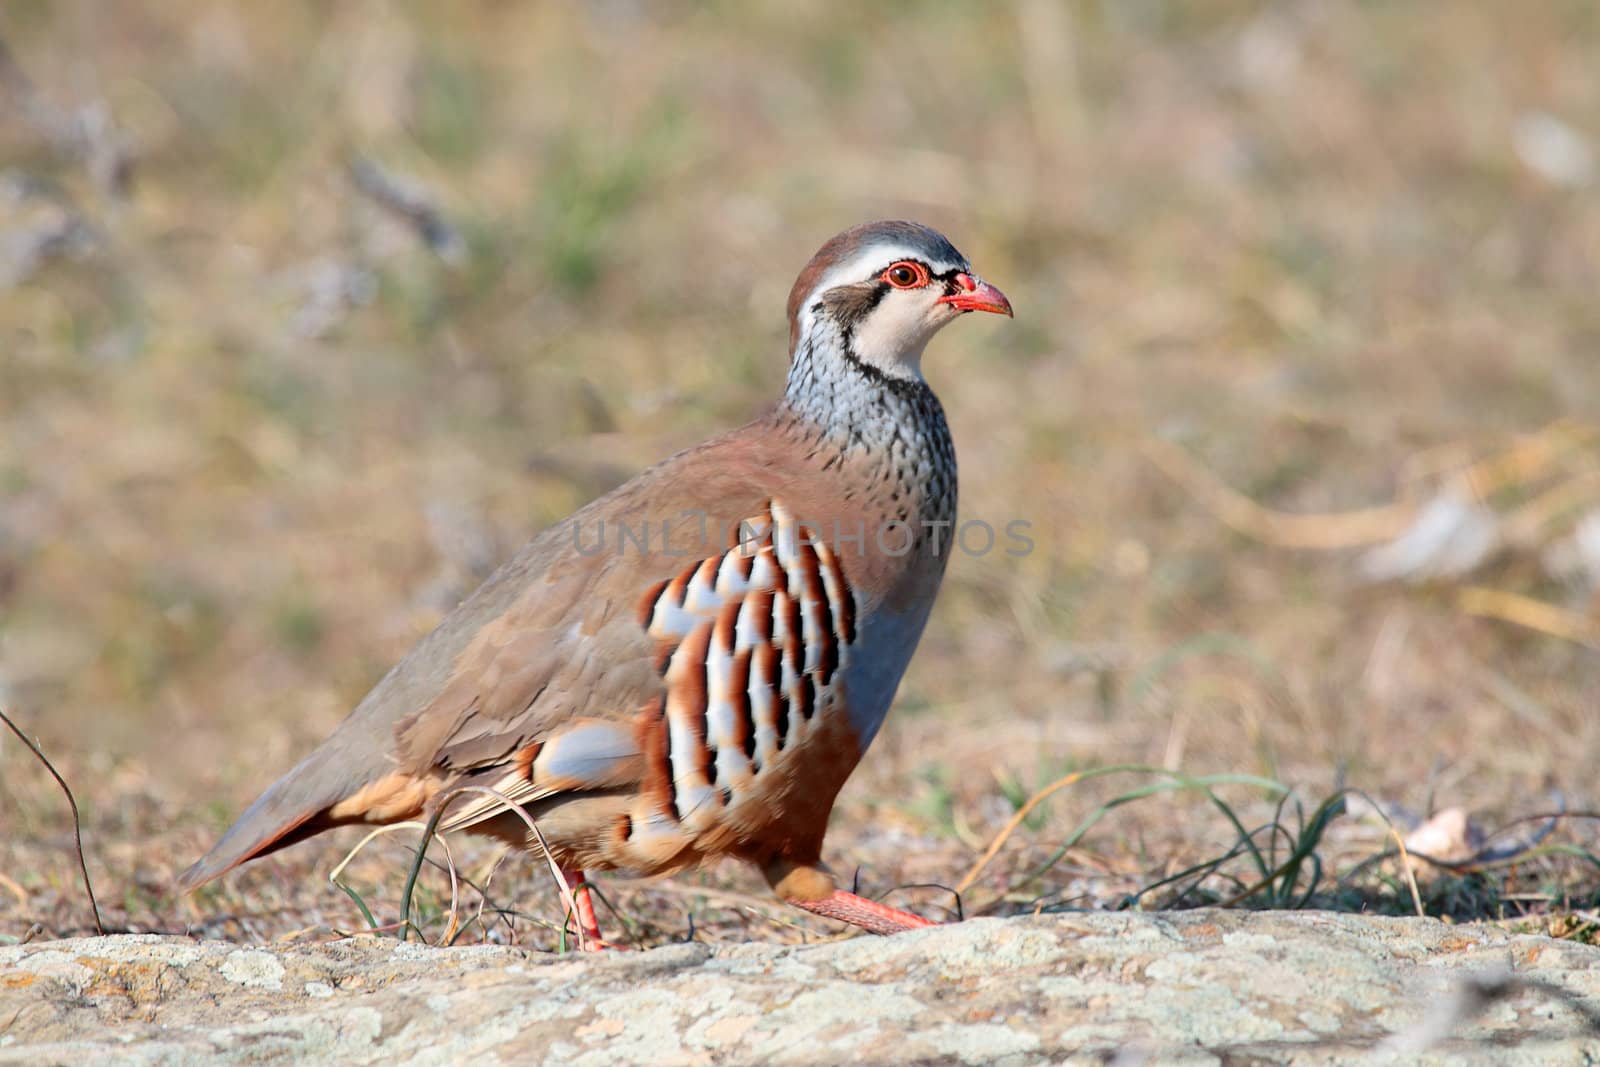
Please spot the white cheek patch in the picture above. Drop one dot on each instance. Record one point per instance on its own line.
(892, 335)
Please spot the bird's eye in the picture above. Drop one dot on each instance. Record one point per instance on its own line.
(906, 274)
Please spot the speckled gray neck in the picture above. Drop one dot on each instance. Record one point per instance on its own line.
(840, 405)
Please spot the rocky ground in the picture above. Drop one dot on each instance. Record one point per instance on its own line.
(1199, 987)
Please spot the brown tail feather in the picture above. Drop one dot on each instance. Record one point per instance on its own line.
(222, 858)
(293, 808)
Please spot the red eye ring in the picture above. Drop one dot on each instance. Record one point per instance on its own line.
(906, 274)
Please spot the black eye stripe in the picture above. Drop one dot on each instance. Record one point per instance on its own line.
(946, 276)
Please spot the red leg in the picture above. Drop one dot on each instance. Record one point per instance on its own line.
(868, 914)
(589, 939)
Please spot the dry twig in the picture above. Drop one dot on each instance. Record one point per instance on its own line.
(1410, 871)
(568, 901)
(77, 823)
(1348, 529)
(1527, 612)
(1010, 828)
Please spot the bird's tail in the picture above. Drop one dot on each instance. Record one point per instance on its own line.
(295, 807)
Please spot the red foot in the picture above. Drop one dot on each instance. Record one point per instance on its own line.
(589, 939)
(868, 914)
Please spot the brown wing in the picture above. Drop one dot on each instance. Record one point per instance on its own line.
(748, 645)
(549, 642)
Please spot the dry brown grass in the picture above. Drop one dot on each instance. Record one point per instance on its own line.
(257, 434)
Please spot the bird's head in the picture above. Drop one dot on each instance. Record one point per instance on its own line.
(881, 290)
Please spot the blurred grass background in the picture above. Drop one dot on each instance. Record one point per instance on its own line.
(259, 429)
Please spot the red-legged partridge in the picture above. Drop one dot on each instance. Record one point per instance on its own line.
(692, 665)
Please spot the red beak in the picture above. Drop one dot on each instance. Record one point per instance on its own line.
(977, 295)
